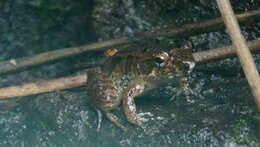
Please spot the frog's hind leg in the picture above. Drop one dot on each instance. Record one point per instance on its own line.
(115, 120)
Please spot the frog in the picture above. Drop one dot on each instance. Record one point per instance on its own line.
(130, 74)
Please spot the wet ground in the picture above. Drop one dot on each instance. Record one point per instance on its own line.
(221, 112)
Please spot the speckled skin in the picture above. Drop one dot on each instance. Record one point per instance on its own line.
(127, 75)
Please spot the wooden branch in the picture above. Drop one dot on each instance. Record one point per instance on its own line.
(222, 53)
(242, 50)
(188, 29)
(17, 64)
(203, 27)
(80, 80)
(45, 86)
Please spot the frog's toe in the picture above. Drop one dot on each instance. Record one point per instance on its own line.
(144, 117)
(140, 118)
(136, 121)
(115, 120)
(188, 91)
(149, 114)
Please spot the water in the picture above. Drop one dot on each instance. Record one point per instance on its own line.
(221, 112)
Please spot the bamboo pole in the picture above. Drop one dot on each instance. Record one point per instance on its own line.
(242, 50)
(80, 80)
(188, 29)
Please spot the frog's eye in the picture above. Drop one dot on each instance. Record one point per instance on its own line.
(161, 59)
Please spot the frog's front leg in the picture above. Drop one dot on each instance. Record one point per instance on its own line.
(129, 104)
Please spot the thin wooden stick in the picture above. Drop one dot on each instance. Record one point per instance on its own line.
(222, 53)
(207, 26)
(45, 86)
(80, 80)
(16, 64)
(188, 29)
(242, 50)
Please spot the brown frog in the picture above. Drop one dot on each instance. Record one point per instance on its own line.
(126, 75)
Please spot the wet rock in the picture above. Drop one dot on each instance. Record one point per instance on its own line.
(114, 18)
(220, 113)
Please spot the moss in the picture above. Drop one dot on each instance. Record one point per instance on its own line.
(48, 9)
(246, 131)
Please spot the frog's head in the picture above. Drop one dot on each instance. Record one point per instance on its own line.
(173, 61)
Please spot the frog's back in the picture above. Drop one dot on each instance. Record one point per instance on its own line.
(127, 63)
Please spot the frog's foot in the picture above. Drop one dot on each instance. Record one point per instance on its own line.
(111, 117)
(188, 91)
(140, 118)
(115, 120)
(144, 117)
(185, 85)
(185, 92)
(136, 120)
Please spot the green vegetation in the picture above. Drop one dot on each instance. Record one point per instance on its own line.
(243, 130)
(48, 9)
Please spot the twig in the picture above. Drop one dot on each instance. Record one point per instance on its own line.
(45, 86)
(242, 50)
(188, 29)
(207, 26)
(16, 64)
(222, 53)
(72, 82)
